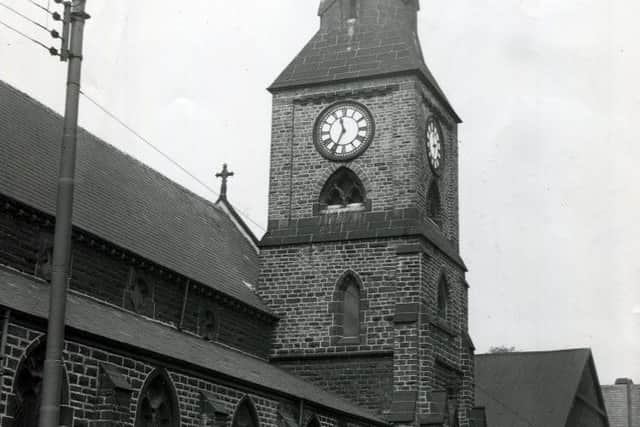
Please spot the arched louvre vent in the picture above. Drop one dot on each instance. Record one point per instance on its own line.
(343, 190)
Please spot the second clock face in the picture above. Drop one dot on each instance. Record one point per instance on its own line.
(435, 149)
(343, 131)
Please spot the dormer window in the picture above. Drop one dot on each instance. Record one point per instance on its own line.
(343, 191)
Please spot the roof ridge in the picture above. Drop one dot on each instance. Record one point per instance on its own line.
(564, 350)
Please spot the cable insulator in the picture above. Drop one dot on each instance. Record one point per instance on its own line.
(55, 34)
(53, 51)
(56, 16)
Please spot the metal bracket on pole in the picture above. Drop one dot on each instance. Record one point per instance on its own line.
(66, 24)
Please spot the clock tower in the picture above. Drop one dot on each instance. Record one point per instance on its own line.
(361, 258)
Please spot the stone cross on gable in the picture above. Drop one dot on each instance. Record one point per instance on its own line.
(225, 174)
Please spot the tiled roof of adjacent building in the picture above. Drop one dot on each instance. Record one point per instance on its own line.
(123, 201)
(366, 49)
(529, 389)
(31, 296)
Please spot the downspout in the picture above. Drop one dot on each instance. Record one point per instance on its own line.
(301, 415)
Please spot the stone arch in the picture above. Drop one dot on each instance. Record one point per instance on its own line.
(343, 189)
(313, 422)
(158, 401)
(27, 387)
(348, 307)
(323, 176)
(245, 414)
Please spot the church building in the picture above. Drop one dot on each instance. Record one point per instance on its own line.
(352, 309)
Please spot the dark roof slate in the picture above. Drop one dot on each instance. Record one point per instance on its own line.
(31, 296)
(370, 51)
(531, 389)
(123, 201)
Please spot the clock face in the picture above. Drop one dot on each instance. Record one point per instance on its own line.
(343, 131)
(435, 149)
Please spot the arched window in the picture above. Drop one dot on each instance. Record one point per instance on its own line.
(443, 298)
(351, 307)
(434, 204)
(157, 404)
(342, 190)
(246, 415)
(28, 387)
(313, 422)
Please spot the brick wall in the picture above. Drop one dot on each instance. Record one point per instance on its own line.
(94, 404)
(366, 380)
(103, 271)
(617, 399)
(305, 251)
(394, 169)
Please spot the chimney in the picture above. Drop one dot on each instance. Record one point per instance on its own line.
(628, 383)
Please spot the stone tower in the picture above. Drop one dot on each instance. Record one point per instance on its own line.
(361, 258)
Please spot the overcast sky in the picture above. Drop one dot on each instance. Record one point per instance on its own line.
(550, 98)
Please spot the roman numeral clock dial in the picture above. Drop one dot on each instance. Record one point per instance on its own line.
(435, 149)
(343, 131)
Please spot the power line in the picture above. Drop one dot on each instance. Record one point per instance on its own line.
(166, 156)
(25, 17)
(39, 43)
(46, 9)
(504, 405)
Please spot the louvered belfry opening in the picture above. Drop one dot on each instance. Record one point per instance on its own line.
(342, 190)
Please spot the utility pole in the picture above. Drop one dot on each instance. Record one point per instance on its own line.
(53, 365)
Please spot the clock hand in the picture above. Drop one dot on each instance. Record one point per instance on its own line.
(343, 131)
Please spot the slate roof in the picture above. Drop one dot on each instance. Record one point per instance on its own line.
(535, 389)
(332, 55)
(123, 201)
(31, 296)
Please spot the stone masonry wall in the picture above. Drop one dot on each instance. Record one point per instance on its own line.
(92, 406)
(365, 380)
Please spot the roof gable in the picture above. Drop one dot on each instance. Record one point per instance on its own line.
(535, 389)
(123, 201)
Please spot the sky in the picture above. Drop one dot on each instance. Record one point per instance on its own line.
(550, 99)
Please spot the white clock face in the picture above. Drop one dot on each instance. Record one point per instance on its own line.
(344, 131)
(435, 150)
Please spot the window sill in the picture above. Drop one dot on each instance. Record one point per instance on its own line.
(349, 341)
(353, 207)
